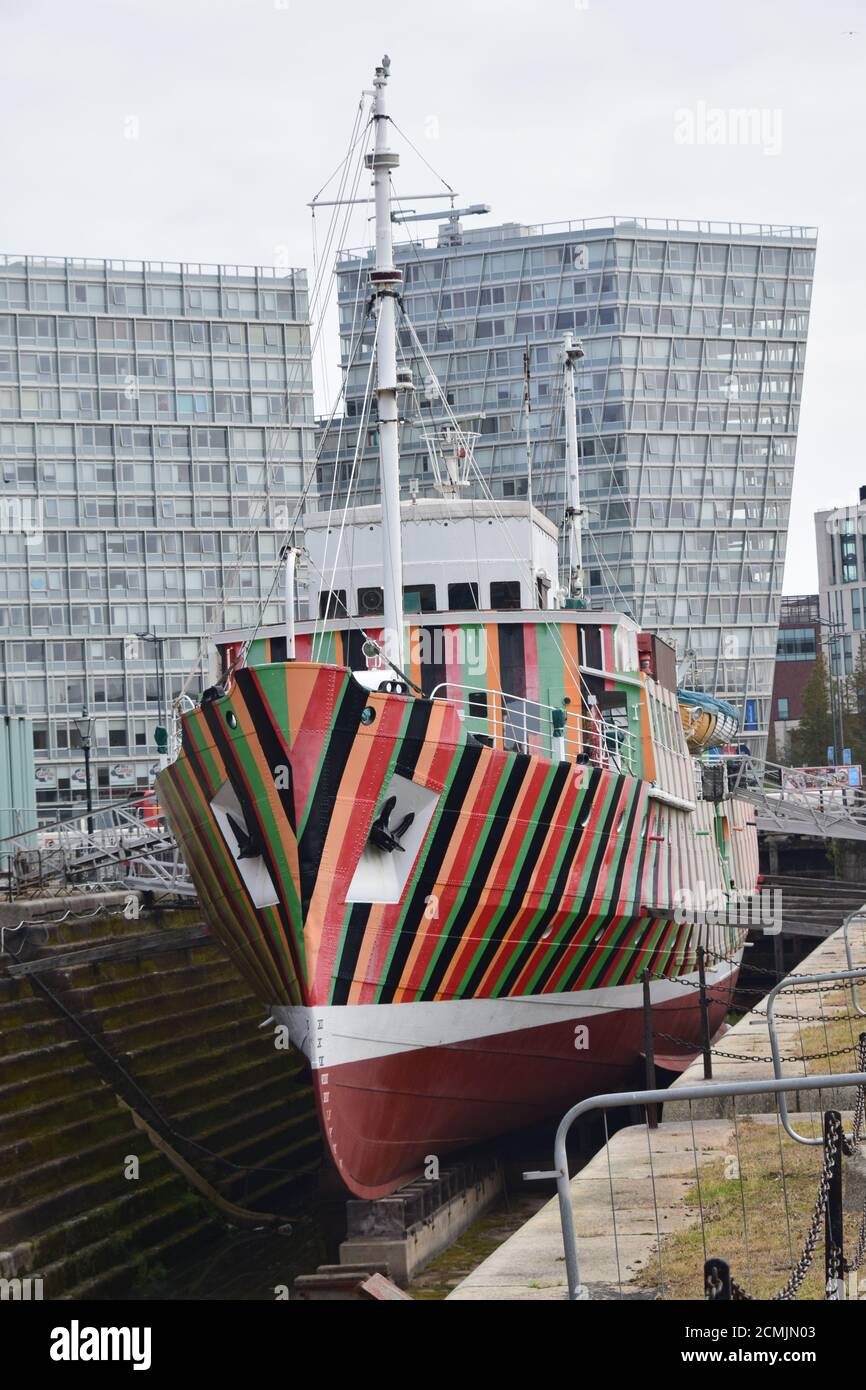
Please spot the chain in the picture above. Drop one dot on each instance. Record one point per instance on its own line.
(739, 1057)
(801, 1268)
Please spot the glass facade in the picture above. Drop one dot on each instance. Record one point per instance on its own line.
(156, 425)
(688, 402)
(840, 539)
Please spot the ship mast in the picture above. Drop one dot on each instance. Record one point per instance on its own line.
(573, 511)
(385, 282)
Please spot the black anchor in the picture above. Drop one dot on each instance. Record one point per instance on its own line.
(381, 833)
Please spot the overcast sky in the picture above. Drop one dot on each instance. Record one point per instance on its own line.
(240, 109)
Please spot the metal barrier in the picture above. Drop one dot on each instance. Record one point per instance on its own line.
(622, 1099)
(857, 915)
(788, 983)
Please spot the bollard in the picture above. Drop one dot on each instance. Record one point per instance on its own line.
(834, 1282)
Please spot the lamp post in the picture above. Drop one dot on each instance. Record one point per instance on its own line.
(836, 630)
(84, 725)
(160, 671)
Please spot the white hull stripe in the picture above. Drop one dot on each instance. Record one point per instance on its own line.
(334, 1034)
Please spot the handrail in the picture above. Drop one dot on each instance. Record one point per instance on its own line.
(519, 719)
(852, 917)
(618, 1099)
(787, 983)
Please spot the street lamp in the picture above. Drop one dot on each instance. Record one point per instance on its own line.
(84, 725)
(160, 671)
(836, 630)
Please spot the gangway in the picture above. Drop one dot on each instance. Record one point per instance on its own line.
(127, 845)
(837, 813)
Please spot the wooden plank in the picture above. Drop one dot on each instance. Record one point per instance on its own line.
(154, 943)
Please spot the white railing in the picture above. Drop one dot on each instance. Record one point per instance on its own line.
(517, 724)
(520, 231)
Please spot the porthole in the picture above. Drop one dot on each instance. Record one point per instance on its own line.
(368, 714)
(231, 719)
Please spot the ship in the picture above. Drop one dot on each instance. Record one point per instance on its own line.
(448, 824)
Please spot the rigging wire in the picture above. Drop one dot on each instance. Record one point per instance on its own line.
(255, 514)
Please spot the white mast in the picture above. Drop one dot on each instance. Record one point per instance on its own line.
(385, 284)
(291, 560)
(573, 511)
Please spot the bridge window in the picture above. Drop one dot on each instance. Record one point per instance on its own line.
(332, 604)
(420, 598)
(463, 596)
(505, 593)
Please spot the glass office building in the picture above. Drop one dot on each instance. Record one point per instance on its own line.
(688, 403)
(155, 425)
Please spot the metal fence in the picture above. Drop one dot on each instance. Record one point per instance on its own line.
(733, 1089)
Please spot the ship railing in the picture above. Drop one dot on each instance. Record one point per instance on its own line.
(515, 723)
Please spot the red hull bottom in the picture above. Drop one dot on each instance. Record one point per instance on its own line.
(386, 1116)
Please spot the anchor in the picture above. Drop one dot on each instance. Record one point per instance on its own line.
(381, 832)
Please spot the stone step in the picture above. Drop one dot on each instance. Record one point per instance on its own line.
(31, 1038)
(247, 1069)
(67, 1105)
(120, 969)
(183, 1028)
(94, 1187)
(125, 1276)
(28, 1092)
(184, 1025)
(155, 1055)
(55, 1241)
(29, 1153)
(173, 1228)
(120, 1018)
(142, 988)
(63, 1172)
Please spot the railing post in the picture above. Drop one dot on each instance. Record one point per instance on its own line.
(706, 1041)
(834, 1282)
(717, 1281)
(649, 1049)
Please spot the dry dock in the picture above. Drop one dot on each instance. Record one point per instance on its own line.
(639, 1191)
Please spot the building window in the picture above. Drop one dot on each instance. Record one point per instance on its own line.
(855, 609)
(782, 707)
(848, 549)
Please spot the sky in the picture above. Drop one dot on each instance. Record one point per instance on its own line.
(199, 130)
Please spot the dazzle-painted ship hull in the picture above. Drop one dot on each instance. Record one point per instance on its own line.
(489, 973)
